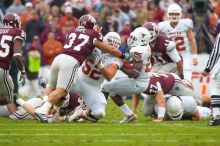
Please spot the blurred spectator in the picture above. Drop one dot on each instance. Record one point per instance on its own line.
(158, 12)
(104, 11)
(126, 9)
(110, 24)
(16, 7)
(51, 48)
(164, 4)
(55, 12)
(33, 63)
(120, 17)
(1, 18)
(79, 9)
(142, 14)
(33, 27)
(44, 12)
(68, 19)
(52, 27)
(124, 34)
(25, 16)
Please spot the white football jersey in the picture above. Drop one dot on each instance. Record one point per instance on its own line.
(178, 33)
(142, 53)
(89, 71)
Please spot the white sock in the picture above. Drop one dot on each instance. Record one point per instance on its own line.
(125, 109)
(215, 111)
(45, 98)
(45, 108)
(57, 108)
(20, 101)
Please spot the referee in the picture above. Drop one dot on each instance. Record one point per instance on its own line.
(213, 65)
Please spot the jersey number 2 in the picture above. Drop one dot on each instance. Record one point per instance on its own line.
(180, 44)
(72, 37)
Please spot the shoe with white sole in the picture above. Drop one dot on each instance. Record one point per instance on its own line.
(129, 118)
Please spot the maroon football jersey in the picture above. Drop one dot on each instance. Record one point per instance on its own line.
(73, 103)
(159, 50)
(7, 37)
(166, 81)
(79, 43)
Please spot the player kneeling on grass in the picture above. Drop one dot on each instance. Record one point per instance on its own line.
(177, 108)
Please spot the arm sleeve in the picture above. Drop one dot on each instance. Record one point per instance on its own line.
(172, 52)
(214, 56)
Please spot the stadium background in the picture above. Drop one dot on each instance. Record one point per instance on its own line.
(43, 17)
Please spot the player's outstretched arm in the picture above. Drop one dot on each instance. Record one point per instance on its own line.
(107, 48)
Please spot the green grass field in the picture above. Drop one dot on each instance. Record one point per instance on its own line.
(108, 132)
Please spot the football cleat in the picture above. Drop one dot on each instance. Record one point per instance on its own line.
(215, 121)
(41, 117)
(129, 118)
(53, 118)
(76, 115)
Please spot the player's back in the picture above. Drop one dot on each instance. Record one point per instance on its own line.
(166, 81)
(80, 43)
(7, 37)
(178, 33)
(159, 50)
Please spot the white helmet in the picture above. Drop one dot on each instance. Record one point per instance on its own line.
(174, 108)
(174, 13)
(112, 38)
(139, 37)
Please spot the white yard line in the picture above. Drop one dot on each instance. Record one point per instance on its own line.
(105, 124)
(109, 141)
(106, 134)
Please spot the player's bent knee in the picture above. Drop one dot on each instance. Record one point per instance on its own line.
(98, 114)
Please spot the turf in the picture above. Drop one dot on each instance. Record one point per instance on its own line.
(108, 132)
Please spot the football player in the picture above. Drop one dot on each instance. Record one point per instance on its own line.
(177, 108)
(168, 83)
(12, 38)
(80, 43)
(138, 67)
(91, 75)
(25, 109)
(181, 31)
(164, 58)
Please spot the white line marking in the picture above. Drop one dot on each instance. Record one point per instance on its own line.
(109, 141)
(102, 134)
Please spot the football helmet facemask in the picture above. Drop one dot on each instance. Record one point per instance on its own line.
(139, 37)
(153, 29)
(174, 13)
(113, 39)
(12, 20)
(87, 21)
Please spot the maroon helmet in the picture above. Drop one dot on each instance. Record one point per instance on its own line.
(12, 20)
(87, 21)
(153, 29)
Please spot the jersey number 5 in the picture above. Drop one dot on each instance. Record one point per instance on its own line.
(72, 37)
(5, 48)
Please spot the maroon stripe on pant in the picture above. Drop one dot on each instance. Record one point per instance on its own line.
(75, 68)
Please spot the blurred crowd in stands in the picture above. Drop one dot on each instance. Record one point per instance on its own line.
(47, 21)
